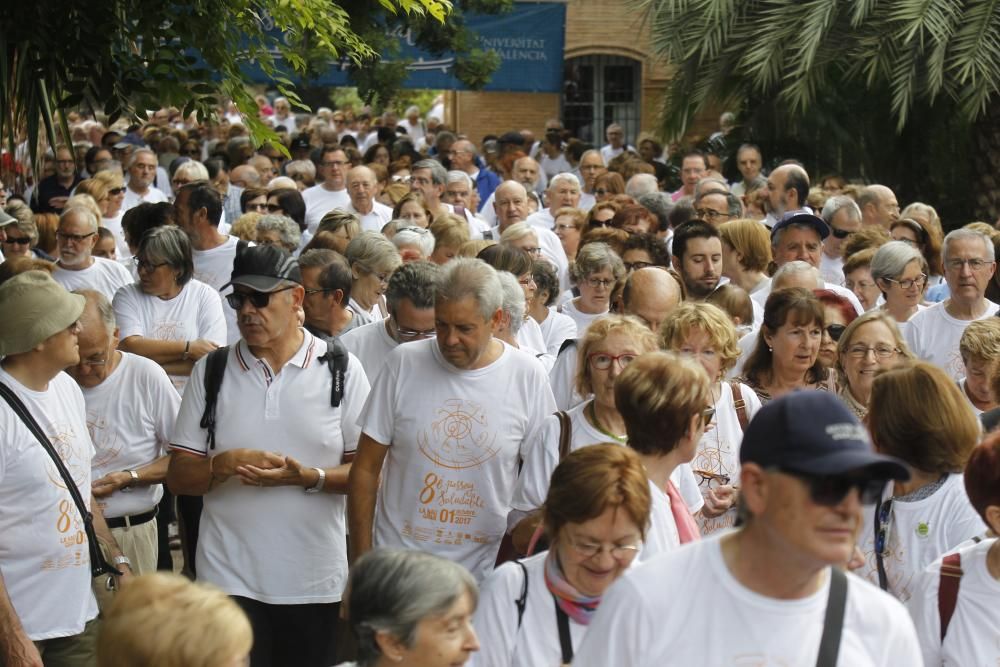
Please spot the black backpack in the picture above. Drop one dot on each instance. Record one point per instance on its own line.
(215, 369)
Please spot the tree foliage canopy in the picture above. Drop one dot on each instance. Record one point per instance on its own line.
(794, 50)
(127, 56)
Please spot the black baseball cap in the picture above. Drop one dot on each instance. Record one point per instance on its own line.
(814, 433)
(801, 217)
(264, 268)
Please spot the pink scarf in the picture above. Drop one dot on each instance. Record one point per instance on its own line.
(581, 608)
(687, 527)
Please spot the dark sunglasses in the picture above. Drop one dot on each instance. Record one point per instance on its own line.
(257, 299)
(830, 490)
(839, 233)
(24, 240)
(835, 331)
(116, 191)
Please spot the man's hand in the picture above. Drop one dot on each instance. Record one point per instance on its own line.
(718, 501)
(227, 464)
(19, 651)
(110, 483)
(289, 473)
(200, 347)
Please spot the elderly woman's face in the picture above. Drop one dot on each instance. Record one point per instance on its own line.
(156, 278)
(861, 358)
(861, 283)
(620, 349)
(593, 554)
(909, 296)
(835, 324)
(700, 346)
(795, 345)
(17, 243)
(595, 291)
(442, 641)
(415, 214)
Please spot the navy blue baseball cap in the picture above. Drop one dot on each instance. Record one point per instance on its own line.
(814, 433)
(264, 268)
(802, 217)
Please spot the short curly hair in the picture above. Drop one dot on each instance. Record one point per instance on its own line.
(705, 317)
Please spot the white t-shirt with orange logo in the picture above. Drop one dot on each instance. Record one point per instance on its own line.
(44, 556)
(455, 437)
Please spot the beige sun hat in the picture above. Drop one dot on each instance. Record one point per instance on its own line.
(34, 307)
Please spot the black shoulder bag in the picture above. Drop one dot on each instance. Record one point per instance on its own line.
(98, 564)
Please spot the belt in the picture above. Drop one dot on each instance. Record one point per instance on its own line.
(134, 520)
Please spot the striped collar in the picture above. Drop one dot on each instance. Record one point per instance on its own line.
(302, 358)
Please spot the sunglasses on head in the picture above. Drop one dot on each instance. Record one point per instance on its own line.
(257, 299)
(830, 490)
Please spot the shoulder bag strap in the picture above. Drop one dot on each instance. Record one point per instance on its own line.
(336, 359)
(98, 564)
(565, 640)
(565, 433)
(522, 601)
(951, 579)
(739, 403)
(883, 579)
(833, 624)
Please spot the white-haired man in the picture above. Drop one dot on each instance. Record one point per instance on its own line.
(563, 192)
(76, 267)
(141, 174)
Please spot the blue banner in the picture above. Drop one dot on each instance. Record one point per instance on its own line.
(530, 40)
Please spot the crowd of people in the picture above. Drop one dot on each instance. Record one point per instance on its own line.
(402, 397)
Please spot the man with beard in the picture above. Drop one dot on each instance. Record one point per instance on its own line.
(698, 258)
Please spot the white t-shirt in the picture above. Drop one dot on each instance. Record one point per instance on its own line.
(373, 314)
(214, 267)
(556, 330)
(542, 458)
(129, 434)
(194, 313)
(104, 275)
(562, 378)
(933, 335)
(114, 225)
(375, 219)
(371, 344)
(581, 318)
(553, 165)
(44, 557)
(531, 341)
(919, 532)
(132, 199)
(974, 631)
(719, 450)
(831, 269)
(320, 201)
(686, 608)
(453, 449)
(277, 545)
(536, 642)
(541, 219)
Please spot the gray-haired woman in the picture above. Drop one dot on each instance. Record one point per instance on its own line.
(279, 230)
(167, 315)
(596, 272)
(411, 608)
(900, 271)
(373, 258)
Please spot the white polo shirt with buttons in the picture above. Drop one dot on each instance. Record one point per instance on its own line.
(277, 545)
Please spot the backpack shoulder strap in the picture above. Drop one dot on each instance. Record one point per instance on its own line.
(569, 342)
(741, 405)
(336, 359)
(215, 370)
(951, 579)
(565, 433)
(833, 623)
(522, 601)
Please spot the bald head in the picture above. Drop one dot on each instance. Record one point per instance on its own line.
(651, 294)
(361, 183)
(510, 201)
(878, 206)
(244, 176)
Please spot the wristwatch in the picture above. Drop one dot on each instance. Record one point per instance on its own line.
(122, 560)
(320, 482)
(132, 482)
